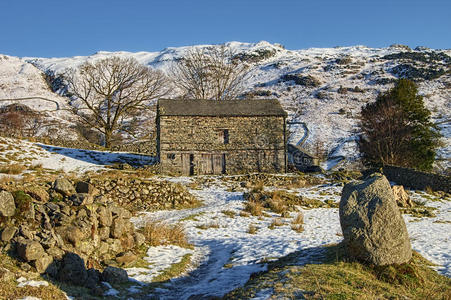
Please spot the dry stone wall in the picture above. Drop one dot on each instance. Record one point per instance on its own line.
(138, 194)
(416, 179)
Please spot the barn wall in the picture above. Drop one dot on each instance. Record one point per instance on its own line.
(255, 144)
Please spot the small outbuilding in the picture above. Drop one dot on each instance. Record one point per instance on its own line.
(196, 137)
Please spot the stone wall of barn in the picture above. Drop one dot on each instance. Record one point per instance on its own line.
(250, 144)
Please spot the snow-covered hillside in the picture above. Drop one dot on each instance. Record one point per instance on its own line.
(322, 87)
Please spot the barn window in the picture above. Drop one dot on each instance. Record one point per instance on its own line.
(171, 156)
(223, 136)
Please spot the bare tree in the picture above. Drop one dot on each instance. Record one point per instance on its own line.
(211, 73)
(113, 90)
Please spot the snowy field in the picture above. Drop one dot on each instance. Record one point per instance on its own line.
(226, 254)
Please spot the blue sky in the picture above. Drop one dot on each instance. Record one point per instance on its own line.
(49, 28)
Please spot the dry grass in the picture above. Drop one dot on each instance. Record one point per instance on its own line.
(275, 223)
(6, 179)
(254, 208)
(158, 233)
(244, 214)
(299, 219)
(252, 229)
(336, 278)
(229, 213)
(208, 226)
(297, 227)
(280, 201)
(13, 169)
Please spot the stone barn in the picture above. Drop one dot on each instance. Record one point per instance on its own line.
(196, 137)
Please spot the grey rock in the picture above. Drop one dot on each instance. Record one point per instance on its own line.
(114, 275)
(52, 207)
(73, 270)
(86, 188)
(56, 253)
(42, 263)
(115, 245)
(104, 233)
(139, 238)
(120, 212)
(126, 258)
(8, 233)
(93, 278)
(119, 227)
(26, 232)
(401, 196)
(6, 275)
(373, 228)
(30, 250)
(7, 205)
(81, 199)
(64, 187)
(105, 216)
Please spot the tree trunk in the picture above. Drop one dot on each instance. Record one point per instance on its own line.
(108, 135)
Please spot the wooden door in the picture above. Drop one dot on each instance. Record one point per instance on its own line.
(218, 164)
(205, 164)
(186, 164)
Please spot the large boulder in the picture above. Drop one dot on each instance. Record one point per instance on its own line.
(373, 228)
(73, 270)
(114, 275)
(64, 187)
(30, 250)
(7, 205)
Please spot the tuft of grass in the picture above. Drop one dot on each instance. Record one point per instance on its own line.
(244, 214)
(229, 213)
(297, 227)
(192, 217)
(13, 169)
(254, 208)
(158, 233)
(299, 219)
(419, 212)
(252, 229)
(207, 226)
(275, 223)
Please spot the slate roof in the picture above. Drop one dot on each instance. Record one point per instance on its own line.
(221, 108)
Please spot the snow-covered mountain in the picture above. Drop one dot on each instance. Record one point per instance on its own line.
(322, 87)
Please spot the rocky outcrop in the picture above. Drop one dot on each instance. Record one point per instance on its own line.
(81, 222)
(373, 228)
(7, 205)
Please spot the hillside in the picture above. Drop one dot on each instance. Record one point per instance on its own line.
(322, 87)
